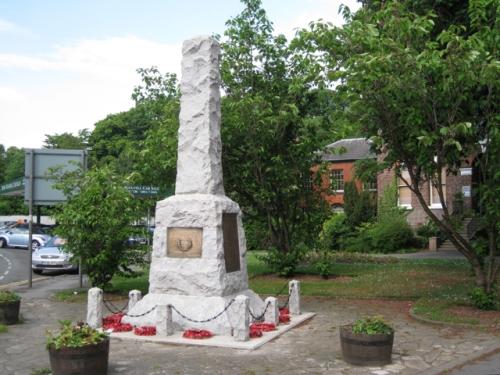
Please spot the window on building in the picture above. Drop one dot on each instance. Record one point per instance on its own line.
(337, 180)
(307, 182)
(370, 185)
(404, 192)
(435, 202)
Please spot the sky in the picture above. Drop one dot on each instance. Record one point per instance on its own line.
(64, 65)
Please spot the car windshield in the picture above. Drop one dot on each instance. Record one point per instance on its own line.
(56, 242)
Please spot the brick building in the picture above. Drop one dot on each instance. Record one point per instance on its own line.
(459, 193)
(339, 158)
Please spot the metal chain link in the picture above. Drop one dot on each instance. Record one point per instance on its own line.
(139, 315)
(261, 316)
(113, 309)
(286, 303)
(205, 320)
(282, 289)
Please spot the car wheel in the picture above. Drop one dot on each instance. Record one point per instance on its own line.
(38, 272)
(35, 245)
(3, 243)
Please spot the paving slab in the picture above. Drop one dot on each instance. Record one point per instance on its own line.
(311, 348)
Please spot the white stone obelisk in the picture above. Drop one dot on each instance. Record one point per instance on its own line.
(199, 251)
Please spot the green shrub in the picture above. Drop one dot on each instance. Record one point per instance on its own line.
(358, 207)
(74, 336)
(386, 236)
(372, 326)
(8, 296)
(335, 230)
(483, 300)
(323, 264)
(427, 230)
(284, 264)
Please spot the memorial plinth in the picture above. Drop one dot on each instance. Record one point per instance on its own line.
(199, 251)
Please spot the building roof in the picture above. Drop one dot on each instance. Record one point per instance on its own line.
(348, 149)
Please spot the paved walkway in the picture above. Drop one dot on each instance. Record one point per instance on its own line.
(312, 348)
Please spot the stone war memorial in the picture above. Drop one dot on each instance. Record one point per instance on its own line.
(198, 276)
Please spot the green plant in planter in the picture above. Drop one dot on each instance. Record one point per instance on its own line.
(74, 336)
(8, 296)
(372, 326)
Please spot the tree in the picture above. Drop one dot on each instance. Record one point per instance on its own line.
(68, 141)
(11, 168)
(273, 122)
(96, 222)
(142, 140)
(428, 97)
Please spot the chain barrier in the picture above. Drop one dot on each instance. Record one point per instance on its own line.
(286, 303)
(115, 310)
(204, 320)
(282, 289)
(261, 316)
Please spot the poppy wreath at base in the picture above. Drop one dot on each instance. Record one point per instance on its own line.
(114, 323)
(284, 315)
(197, 334)
(256, 329)
(145, 331)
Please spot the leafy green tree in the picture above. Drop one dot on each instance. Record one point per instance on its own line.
(67, 140)
(11, 168)
(273, 122)
(142, 140)
(429, 98)
(96, 222)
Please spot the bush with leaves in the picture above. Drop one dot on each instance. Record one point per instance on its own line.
(359, 207)
(386, 236)
(484, 300)
(335, 230)
(284, 264)
(96, 222)
(74, 336)
(372, 326)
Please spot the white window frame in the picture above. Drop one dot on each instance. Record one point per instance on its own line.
(331, 180)
(400, 184)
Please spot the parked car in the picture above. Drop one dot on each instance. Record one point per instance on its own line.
(19, 237)
(51, 257)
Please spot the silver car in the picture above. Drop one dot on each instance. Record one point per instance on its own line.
(51, 257)
(19, 237)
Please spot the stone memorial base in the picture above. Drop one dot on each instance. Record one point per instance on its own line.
(195, 308)
(220, 341)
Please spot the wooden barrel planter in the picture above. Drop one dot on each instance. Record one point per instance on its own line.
(89, 359)
(9, 312)
(366, 350)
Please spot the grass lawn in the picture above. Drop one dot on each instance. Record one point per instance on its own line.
(436, 285)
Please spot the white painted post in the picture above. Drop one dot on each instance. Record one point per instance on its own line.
(272, 314)
(164, 323)
(294, 301)
(134, 296)
(241, 318)
(94, 308)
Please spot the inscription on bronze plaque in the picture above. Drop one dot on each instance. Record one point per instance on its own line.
(184, 242)
(231, 243)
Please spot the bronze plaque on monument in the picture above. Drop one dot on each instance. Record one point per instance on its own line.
(184, 242)
(231, 242)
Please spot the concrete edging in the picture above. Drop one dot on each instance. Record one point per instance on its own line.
(466, 359)
(19, 283)
(411, 312)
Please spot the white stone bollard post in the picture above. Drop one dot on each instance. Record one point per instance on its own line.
(294, 293)
(134, 296)
(241, 318)
(272, 314)
(164, 323)
(94, 308)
